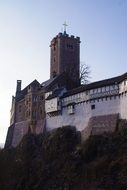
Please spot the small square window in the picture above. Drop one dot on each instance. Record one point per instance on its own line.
(93, 107)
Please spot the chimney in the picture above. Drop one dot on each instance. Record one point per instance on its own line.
(18, 88)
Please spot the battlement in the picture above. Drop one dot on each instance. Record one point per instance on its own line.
(65, 35)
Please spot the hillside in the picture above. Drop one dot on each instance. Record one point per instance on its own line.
(58, 161)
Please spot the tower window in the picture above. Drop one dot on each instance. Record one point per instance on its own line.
(70, 46)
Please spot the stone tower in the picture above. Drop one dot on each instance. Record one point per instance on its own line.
(65, 56)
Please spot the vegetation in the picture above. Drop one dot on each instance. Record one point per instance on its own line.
(58, 161)
(84, 73)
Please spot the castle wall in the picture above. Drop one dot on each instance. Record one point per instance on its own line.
(20, 111)
(40, 126)
(123, 106)
(20, 130)
(82, 112)
(9, 137)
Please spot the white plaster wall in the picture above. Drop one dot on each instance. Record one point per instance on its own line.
(123, 106)
(83, 112)
(79, 118)
(105, 107)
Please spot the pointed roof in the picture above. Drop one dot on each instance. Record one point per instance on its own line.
(23, 92)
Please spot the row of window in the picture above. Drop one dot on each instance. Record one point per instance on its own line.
(28, 113)
(35, 99)
(71, 108)
(34, 113)
(69, 46)
(84, 94)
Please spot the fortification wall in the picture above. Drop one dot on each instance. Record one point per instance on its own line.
(83, 112)
(40, 126)
(9, 137)
(123, 105)
(20, 130)
(99, 124)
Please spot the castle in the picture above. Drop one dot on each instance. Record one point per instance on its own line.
(61, 101)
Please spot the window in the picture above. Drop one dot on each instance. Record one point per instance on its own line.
(35, 98)
(41, 111)
(34, 114)
(113, 86)
(29, 113)
(70, 46)
(20, 108)
(29, 99)
(103, 89)
(99, 90)
(70, 109)
(107, 88)
(93, 107)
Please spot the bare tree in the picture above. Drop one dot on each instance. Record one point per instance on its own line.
(84, 73)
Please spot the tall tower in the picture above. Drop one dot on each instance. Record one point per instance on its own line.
(65, 56)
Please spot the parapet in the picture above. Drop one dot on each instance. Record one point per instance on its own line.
(66, 35)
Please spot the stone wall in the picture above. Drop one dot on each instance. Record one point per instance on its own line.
(103, 123)
(9, 137)
(20, 130)
(40, 126)
(98, 125)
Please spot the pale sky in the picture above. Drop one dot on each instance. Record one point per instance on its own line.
(27, 27)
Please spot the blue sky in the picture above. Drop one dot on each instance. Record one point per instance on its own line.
(27, 27)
